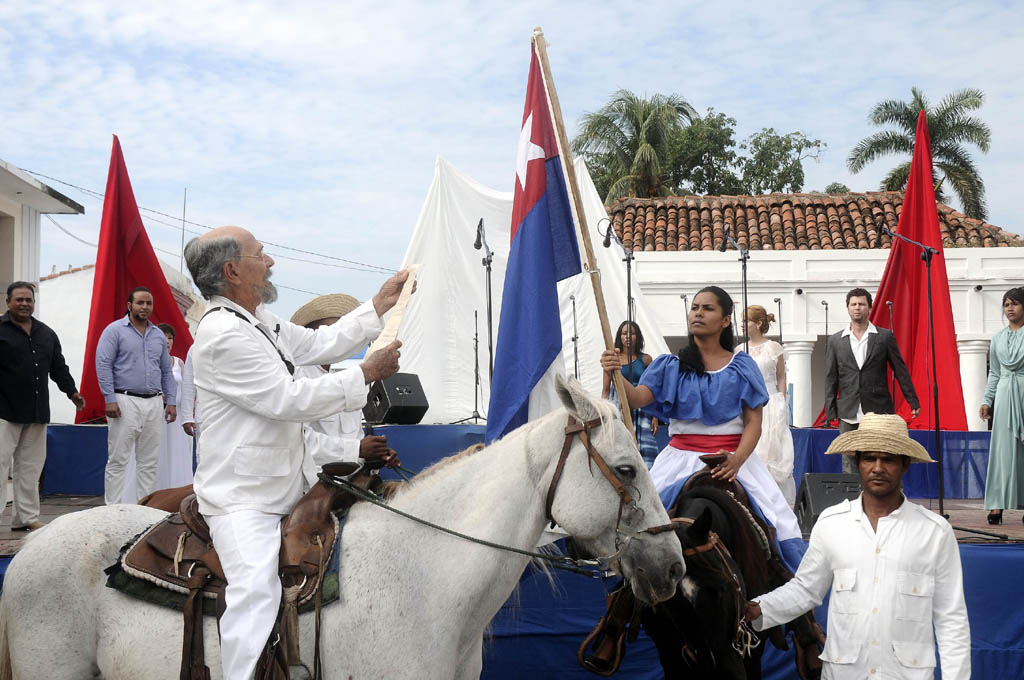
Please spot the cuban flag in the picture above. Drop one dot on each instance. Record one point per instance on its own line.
(544, 250)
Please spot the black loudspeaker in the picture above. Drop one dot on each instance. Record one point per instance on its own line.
(398, 400)
(822, 490)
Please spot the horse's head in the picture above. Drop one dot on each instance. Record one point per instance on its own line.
(588, 506)
(713, 586)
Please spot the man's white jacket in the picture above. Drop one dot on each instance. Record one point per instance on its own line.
(253, 408)
(889, 588)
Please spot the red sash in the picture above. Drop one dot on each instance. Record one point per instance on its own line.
(705, 443)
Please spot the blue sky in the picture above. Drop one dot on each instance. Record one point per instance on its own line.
(316, 124)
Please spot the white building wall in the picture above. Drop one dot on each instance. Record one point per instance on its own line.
(803, 279)
(65, 302)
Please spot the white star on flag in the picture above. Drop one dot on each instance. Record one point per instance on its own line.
(527, 152)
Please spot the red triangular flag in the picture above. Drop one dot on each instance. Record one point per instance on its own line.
(125, 260)
(905, 283)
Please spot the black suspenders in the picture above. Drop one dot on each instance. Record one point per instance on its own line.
(289, 365)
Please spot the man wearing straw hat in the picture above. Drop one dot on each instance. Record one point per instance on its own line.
(893, 568)
(339, 437)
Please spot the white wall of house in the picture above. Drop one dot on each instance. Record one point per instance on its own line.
(803, 279)
(22, 200)
(66, 301)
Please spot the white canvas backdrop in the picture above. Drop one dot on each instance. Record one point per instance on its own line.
(437, 331)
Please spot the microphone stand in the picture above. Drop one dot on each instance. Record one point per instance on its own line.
(481, 242)
(476, 374)
(575, 339)
(744, 257)
(778, 305)
(610, 234)
(824, 304)
(892, 389)
(927, 254)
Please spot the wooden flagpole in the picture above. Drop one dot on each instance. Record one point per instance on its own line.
(570, 172)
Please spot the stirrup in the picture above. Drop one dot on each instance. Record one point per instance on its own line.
(607, 642)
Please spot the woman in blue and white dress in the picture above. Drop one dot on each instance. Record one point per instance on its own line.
(713, 400)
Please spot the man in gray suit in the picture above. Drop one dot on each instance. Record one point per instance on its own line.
(855, 363)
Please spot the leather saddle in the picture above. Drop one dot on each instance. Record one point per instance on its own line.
(178, 553)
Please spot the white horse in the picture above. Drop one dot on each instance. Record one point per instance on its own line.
(414, 601)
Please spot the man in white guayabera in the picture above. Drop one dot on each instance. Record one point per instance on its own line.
(250, 473)
(893, 568)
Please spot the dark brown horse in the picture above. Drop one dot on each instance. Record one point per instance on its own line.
(730, 558)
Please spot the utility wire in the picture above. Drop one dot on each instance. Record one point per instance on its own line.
(368, 267)
(166, 252)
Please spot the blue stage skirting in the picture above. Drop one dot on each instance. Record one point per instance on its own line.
(537, 632)
(965, 461)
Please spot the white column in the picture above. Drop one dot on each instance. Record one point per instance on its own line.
(973, 376)
(798, 374)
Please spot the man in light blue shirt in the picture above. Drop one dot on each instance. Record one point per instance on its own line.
(134, 371)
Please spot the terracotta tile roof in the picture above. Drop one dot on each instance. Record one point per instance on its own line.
(784, 222)
(69, 270)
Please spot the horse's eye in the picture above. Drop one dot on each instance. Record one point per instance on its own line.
(626, 471)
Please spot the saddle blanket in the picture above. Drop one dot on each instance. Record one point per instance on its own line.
(167, 595)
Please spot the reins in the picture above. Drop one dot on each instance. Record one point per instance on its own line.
(596, 567)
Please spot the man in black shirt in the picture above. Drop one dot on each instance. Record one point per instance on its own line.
(29, 352)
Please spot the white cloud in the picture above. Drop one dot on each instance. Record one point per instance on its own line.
(317, 123)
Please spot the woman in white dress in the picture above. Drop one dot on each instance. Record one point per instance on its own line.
(776, 444)
(174, 468)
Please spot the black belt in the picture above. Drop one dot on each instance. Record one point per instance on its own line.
(140, 395)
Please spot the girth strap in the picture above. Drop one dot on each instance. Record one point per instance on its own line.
(193, 662)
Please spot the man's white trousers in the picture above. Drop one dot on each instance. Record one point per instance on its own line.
(248, 543)
(140, 425)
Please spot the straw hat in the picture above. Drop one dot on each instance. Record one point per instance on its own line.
(324, 307)
(880, 432)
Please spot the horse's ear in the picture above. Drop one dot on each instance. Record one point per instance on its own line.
(575, 399)
(702, 525)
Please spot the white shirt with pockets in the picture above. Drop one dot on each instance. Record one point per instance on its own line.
(888, 588)
(254, 409)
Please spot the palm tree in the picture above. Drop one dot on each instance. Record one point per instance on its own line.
(950, 128)
(627, 143)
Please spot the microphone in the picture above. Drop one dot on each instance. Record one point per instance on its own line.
(878, 237)
(725, 241)
(479, 234)
(776, 300)
(608, 236)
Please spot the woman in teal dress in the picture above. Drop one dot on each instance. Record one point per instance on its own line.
(1004, 404)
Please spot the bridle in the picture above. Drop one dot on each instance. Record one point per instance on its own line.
(575, 428)
(746, 639)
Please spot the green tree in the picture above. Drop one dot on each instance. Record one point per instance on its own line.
(704, 158)
(627, 143)
(837, 188)
(951, 129)
(775, 163)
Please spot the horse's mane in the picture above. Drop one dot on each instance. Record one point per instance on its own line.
(448, 460)
(747, 546)
(605, 411)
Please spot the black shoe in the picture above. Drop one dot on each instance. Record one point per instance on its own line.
(996, 517)
(31, 526)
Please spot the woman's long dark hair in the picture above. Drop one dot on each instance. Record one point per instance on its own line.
(1015, 294)
(636, 334)
(689, 356)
